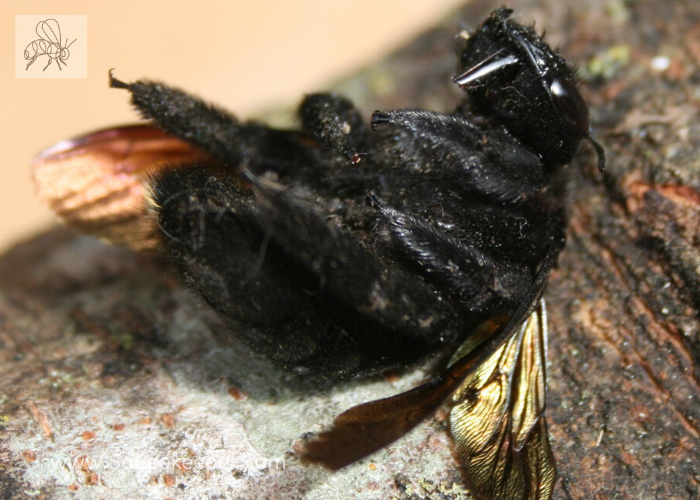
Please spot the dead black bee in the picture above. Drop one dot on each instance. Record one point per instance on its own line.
(49, 44)
(348, 251)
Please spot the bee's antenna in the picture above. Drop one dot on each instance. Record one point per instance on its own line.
(599, 151)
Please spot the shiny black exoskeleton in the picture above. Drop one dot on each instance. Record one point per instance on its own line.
(345, 249)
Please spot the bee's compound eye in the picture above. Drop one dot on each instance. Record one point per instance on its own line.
(571, 104)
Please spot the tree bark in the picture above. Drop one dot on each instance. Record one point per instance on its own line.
(103, 354)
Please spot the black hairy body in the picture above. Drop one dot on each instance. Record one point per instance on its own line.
(345, 248)
(316, 278)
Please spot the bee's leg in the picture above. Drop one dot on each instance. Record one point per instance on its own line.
(260, 149)
(335, 123)
(488, 163)
(216, 131)
(189, 118)
(480, 282)
(301, 292)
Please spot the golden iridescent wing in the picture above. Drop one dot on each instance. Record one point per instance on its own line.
(498, 423)
(497, 383)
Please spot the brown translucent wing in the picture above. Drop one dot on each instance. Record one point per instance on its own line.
(96, 183)
(498, 423)
(366, 428)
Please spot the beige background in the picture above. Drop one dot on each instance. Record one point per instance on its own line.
(245, 55)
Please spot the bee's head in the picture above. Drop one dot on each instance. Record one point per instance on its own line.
(511, 73)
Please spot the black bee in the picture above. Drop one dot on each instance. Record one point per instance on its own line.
(49, 44)
(347, 250)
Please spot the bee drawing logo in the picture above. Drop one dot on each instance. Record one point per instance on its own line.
(48, 44)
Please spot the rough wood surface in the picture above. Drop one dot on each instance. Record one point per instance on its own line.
(104, 356)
